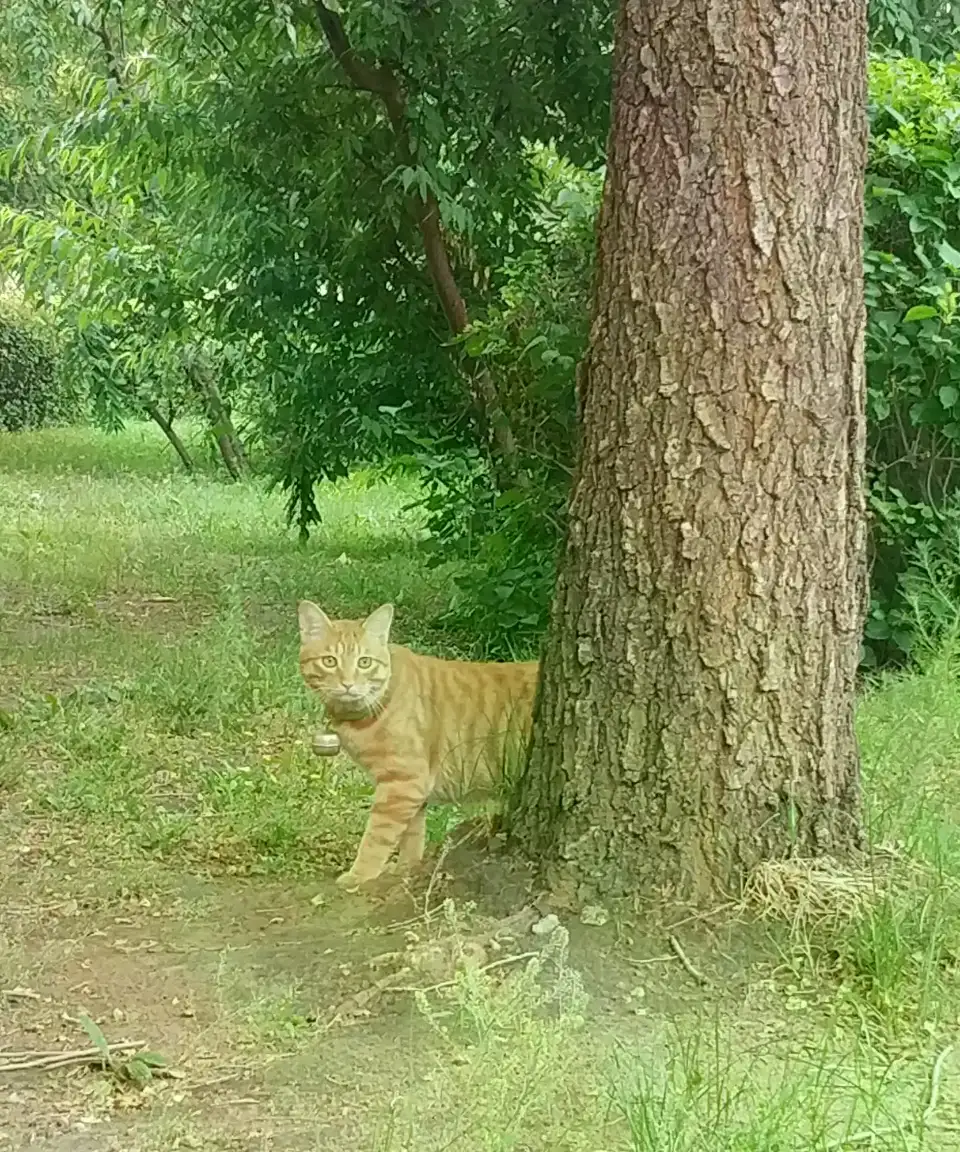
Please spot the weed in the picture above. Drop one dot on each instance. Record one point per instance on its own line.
(137, 1068)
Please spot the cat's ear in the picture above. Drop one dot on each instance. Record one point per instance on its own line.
(377, 624)
(314, 622)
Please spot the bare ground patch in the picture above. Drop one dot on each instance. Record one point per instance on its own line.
(286, 1011)
(215, 977)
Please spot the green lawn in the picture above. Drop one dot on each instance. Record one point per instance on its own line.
(154, 755)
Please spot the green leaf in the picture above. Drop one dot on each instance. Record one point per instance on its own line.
(920, 312)
(903, 640)
(877, 629)
(97, 1038)
(137, 1071)
(948, 394)
(949, 255)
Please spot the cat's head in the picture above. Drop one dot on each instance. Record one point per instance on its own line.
(346, 662)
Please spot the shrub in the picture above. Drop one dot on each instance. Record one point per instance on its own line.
(531, 339)
(31, 393)
(913, 354)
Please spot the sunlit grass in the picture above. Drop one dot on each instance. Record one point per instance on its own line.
(152, 716)
(148, 666)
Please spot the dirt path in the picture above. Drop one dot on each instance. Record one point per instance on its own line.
(233, 983)
(264, 998)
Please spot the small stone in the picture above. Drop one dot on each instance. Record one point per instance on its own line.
(594, 916)
(547, 925)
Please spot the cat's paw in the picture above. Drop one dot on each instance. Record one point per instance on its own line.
(351, 882)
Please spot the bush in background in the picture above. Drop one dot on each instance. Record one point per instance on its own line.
(913, 352)
(531, 339)
(32, 393)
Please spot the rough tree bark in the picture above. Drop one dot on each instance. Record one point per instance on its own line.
(381, 80)
(696, 706)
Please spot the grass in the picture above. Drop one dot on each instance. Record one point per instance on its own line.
(153, 727)
(151, 636)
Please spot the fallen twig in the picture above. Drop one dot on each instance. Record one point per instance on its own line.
(27, 1053)
(448, 847)
(360, 1001)
(214, 1081)
(22, 1061)
(20, 994)
(642, 963)
(444, 851)
(500, 963)
(686, 961)
(704, 915)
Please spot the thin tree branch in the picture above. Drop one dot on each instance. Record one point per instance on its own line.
(380, 80)
(113, 61)
(369, 77)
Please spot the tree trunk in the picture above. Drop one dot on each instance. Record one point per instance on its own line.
(696, 706)
(170, 432)
(221, 425)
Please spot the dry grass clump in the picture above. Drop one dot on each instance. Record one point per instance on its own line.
(825, 892)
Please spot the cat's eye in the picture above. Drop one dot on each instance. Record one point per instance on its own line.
(364, 662)
(328, 661)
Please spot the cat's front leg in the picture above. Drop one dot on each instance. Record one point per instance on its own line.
(413, 841)
(396, 806)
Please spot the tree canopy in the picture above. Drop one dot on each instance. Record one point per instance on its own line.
(372, 227)
(334, 193)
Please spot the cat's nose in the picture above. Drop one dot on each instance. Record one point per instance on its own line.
(346, 687)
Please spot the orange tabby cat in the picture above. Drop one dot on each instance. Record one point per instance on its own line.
(423, 728)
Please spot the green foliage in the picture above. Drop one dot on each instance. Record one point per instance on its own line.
(913, 351)
(925, 29)
(532, 336)
(225, 185)
(225, 179)
(31, 391)
(137, 1069)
